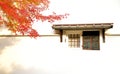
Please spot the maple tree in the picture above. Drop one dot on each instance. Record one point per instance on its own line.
(19, 15)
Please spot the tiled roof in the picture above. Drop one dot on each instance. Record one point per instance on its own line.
(83, 26)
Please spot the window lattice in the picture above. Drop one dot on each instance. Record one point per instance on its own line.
(74, 40)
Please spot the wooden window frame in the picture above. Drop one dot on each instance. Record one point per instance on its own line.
(91, 35)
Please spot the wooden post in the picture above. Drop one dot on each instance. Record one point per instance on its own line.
(103, 35)
(61, 33)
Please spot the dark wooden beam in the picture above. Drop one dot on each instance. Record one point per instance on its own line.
(61, 34)
(103, 35)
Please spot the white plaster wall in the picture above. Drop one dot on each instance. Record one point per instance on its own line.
(46, 55)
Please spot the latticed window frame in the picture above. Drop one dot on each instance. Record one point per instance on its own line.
(74, 40)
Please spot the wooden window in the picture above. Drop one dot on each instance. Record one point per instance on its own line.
(91, 40)
(74, 40)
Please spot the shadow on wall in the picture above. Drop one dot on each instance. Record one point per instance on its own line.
(7, 41)
(28, 71)
(20, 70)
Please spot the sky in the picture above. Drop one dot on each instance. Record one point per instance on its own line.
(90, 11)
(28, 56)
(87, 11)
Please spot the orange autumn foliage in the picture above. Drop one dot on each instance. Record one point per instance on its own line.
(19, 15)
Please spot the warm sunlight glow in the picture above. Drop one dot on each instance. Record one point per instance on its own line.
(46, 55)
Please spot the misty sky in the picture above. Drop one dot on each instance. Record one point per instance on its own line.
(85, 11)
(89, 11)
